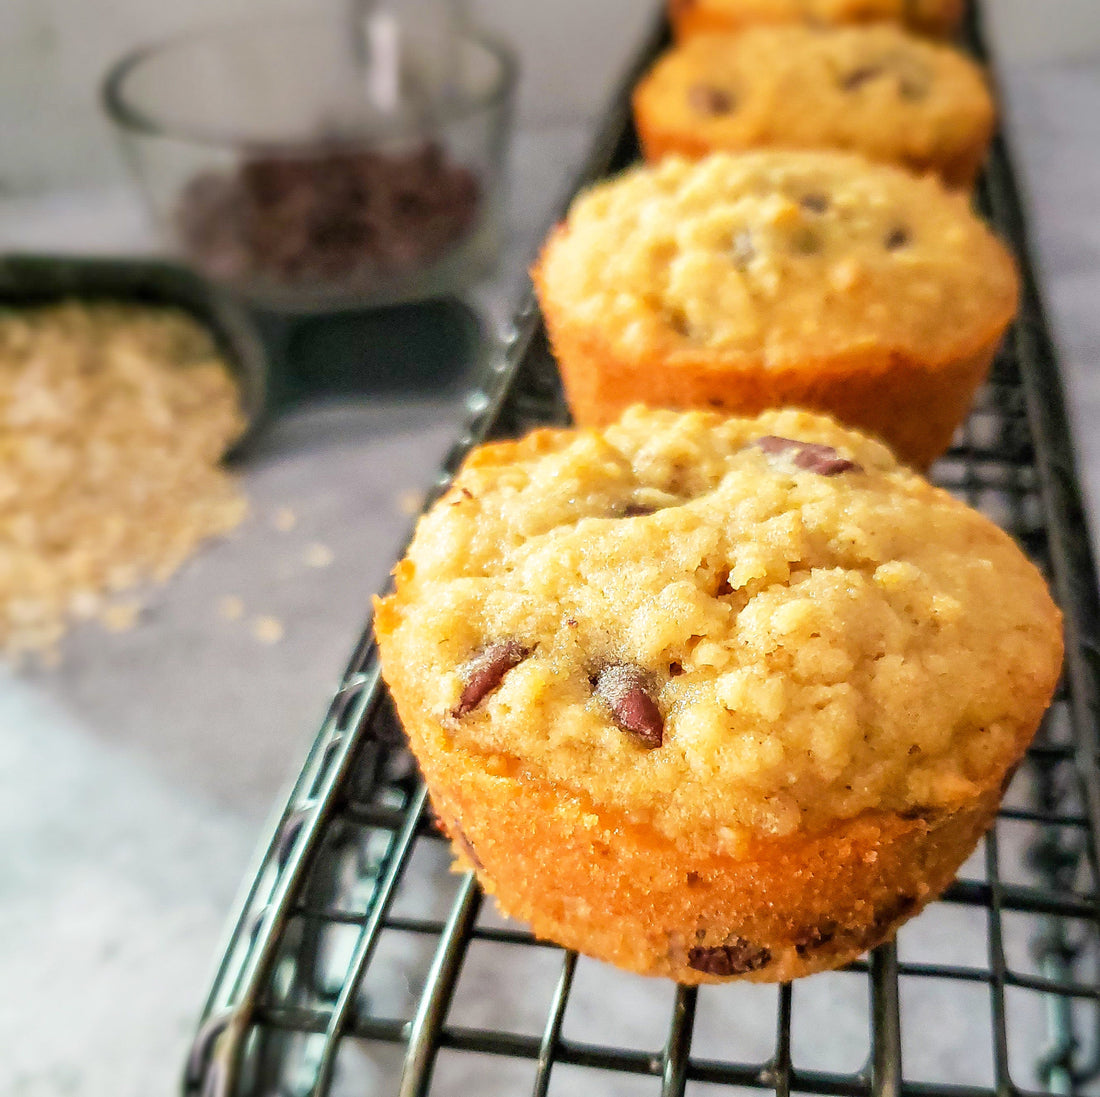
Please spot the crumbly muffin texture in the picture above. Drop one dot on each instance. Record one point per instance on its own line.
(934, 17)
(786, 255)
(721, 626)
(871, 89)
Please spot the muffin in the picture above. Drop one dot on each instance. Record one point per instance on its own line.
(709, 697)
(772, 279)
(874, 90)
(939, 18)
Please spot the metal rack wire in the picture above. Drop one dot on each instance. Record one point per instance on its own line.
(355, 963)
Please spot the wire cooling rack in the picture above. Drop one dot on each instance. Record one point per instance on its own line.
(357, 964)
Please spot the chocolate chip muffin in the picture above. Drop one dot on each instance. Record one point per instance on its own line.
(938, 18)
(772, 279)
(875, 90)
(712, 698)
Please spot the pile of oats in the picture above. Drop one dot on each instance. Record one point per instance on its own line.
(113, 420)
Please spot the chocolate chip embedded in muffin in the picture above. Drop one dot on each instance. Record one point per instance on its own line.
(856, 78)
(913, 79)
(707, 99)
(896, 238)
(814, 937)
(736, 957)
(625, 690)
(810, 456)
(486, 671)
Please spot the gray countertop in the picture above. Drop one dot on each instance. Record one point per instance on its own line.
(138, 771)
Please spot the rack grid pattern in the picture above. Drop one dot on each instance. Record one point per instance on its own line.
(356, 963)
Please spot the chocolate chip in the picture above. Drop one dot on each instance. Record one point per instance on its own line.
(707, 99)
(638, 510)
(325, 211)
(679, 323)
(811, 456)
(675, 670)
(773, 444)
(814, 937)
(625, 690)
(815, 203)
(896, 238)
(912, 89)
(863, 75)
(918, 814)
(806, 242)
(736, 958)
(486, 671)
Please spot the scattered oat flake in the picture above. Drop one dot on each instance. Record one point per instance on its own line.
(231, 607)
(284, 520)
(85, 604)
(120, 616)
(318, 555)
(113, 422)
(268, 630)
(410, 502)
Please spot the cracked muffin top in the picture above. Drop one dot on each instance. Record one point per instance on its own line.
(874, 90)
(748, 625)
(782, 256)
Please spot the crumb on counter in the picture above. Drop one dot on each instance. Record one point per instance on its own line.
(284, 520)
(120, 616)
(231, 607)
(317, 555)
(268, 630)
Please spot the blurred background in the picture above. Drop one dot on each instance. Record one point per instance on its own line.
(54, 52)
(138, 771)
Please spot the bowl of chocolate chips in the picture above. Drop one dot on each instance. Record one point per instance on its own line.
(316, 163)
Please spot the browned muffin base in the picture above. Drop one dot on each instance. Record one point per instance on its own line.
(620, 891)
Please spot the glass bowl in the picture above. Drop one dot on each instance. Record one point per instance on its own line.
(314, 164)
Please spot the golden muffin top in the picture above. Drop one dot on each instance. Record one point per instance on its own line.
(778, 257)
(870, 89)
(745, 625)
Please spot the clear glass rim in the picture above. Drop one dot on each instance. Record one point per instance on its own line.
(132, 117)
